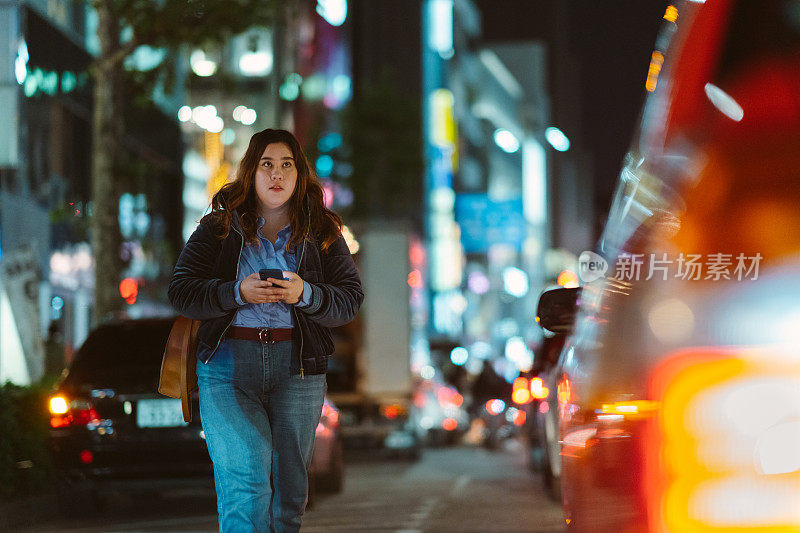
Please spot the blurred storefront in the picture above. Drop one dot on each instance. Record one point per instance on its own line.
(485, 181)
(45, 187)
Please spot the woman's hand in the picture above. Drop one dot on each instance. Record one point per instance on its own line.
(256, 291)
(291, 288)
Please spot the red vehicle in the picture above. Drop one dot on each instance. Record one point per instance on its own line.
(679, 393)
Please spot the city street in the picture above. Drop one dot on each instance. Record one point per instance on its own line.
(450, 489)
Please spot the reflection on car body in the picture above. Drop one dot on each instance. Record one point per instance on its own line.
(678, 404)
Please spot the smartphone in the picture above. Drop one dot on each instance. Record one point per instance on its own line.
(274, 273)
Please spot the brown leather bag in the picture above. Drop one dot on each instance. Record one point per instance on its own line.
(178, 378)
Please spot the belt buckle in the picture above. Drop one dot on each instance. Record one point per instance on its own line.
(265, 333)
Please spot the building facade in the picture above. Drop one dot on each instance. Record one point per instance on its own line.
(45, 187)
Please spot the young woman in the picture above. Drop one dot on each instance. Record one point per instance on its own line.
(263, 345)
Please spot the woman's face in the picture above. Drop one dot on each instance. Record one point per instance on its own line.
(276, 176)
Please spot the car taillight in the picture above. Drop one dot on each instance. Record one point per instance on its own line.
(723, 454)
(632, 410)
(66, 413)
(520, 393)
(394, 410)
(538, 390)
(330, 414)
(564, 391)
(449, 397)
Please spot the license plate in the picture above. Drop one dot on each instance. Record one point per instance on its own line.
(159, 413)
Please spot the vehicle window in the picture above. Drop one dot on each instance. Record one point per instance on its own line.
(121, 355)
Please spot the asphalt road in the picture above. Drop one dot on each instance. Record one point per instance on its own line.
(449, 489)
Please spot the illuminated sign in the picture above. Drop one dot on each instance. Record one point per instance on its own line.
(333, 11)
(485, 222)
(40, 81)
(440, 36)
(534, 182)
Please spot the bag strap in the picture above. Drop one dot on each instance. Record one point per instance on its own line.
(186, 403)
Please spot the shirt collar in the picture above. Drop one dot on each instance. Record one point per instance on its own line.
(287, 229)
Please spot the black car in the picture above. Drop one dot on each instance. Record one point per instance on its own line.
(110, 428)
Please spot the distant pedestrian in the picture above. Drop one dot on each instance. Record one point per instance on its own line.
(54, 361)
(264, 344)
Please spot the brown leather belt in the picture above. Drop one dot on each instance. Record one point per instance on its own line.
(259, 334)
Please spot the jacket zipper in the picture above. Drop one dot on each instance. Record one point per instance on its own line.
(294, 311)
(241, 248)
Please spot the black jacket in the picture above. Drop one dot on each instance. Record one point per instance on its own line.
(205, 277)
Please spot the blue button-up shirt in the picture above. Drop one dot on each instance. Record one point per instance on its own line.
(254, 258)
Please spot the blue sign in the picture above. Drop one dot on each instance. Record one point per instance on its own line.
(485, 222)
(441, 168)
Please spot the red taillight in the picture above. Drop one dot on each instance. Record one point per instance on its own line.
(64, 413)
(86, 457)
(60, 421)
(722, 452)
(393, 411)
(330, 414)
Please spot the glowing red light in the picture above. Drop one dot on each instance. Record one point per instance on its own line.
(86, 457)
(416, 254)
(330, 414)
(392, 411)
(415, 279)
(544, 407)
(519, 418)
(456, 399)
(128, 289)
(449, 424)
(60, 421)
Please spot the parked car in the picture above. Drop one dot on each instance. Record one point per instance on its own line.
(678, 396)
(112, 430)
(542, 413)
(326, 472)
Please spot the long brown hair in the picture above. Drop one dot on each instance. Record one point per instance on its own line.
(307, 211)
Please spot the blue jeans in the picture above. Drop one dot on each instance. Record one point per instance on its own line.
(259, 422)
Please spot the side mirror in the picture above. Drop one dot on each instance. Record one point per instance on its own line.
(557, 309)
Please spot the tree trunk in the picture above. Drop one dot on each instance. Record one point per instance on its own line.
(107, 135)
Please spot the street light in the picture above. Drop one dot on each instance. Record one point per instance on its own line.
(557, 139)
